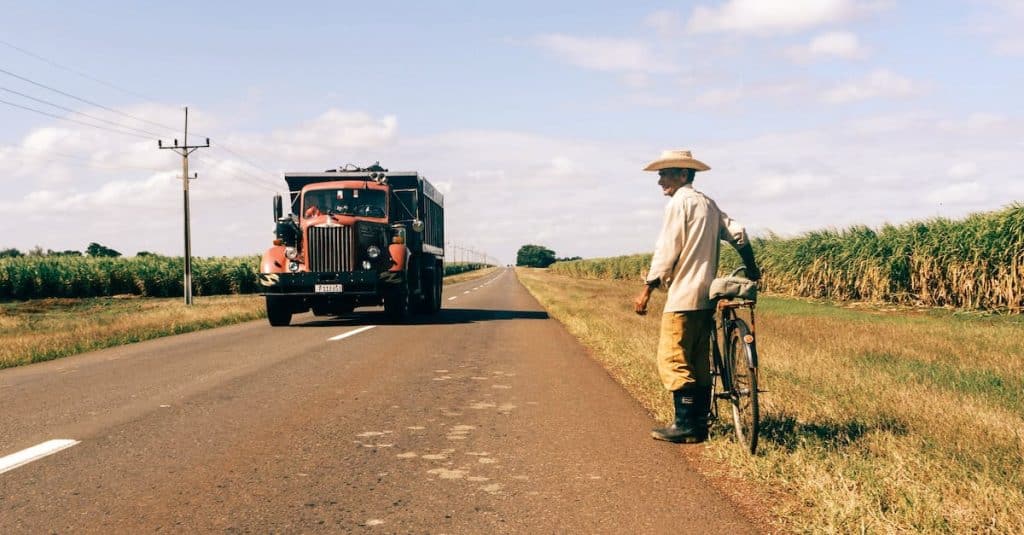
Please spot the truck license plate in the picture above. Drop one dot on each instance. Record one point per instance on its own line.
(327, 288)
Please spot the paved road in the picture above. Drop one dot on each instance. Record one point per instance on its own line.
(486, 418)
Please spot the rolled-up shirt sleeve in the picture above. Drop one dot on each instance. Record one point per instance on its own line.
(669, 246)
(732, 231)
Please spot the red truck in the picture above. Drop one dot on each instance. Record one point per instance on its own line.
(355, 237)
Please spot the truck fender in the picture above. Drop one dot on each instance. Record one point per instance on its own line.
(274, 260)
(399, 256)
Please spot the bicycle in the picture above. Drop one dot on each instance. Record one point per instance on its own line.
(734, 364)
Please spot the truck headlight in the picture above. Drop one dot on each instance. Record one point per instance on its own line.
(291, 252)
(373, 251)
(293, 266)
(367, 264)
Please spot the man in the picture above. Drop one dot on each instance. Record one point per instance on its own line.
(685, 262)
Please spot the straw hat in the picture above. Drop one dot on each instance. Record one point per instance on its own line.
(676, 158)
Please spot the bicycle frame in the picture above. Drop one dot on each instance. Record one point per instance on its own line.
(725, 323)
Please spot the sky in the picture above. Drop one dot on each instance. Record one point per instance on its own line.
(535, 119)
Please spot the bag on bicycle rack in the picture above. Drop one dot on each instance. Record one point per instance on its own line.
(733, 288)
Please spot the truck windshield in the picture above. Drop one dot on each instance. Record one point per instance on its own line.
(356, 202)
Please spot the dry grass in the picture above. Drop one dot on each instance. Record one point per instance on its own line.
(45, 329)
(875, 421)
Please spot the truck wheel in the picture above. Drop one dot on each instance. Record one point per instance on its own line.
(279, 311)
(396, 304)
(431, 294)
(438, 289)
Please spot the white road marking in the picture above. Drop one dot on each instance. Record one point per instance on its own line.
(466, 292)
(34, 453)
(453, 298)
(351, 333)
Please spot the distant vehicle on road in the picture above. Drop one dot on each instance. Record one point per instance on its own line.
(355, 237)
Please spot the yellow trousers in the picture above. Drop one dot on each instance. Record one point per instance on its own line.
(684, 349)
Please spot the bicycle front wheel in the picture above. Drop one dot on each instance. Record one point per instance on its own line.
(741, 357)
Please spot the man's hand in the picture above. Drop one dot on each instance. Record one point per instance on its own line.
(640, 303)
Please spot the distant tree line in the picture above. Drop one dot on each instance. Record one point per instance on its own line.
(94, 250)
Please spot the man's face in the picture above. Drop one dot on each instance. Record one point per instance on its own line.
(670, 180)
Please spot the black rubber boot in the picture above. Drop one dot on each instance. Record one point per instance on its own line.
(691, 424)
(702, 399)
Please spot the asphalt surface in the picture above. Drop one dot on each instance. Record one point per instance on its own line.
(487, 417)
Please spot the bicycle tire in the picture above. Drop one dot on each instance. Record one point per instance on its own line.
(741, 362)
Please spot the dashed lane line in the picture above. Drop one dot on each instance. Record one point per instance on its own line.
(34, 453)
(453, 298)
(351, 333)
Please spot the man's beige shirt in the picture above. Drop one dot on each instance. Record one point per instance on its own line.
(686, 255)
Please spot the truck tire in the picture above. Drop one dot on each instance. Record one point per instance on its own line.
(431, 293)
(396, 304)
(440, 288)
(279, 311)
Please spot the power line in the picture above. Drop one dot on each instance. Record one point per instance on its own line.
(248, 161)
(75, 71)
(231, 173)
(58, 106)
(28, 154)
(55, 116)
(86, 101)
(58, 117)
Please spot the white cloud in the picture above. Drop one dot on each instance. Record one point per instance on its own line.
(880, 83)
(637, 80)
(984, 121)
(666, 22)
(714, 98)
(1000, 21)
(843, 45)
(763, 17)
(884, 124)
(335, 129)
(577, 196)
(964, 169)
(605, 54)
(731, 96)
(798, 183)
(959, 193)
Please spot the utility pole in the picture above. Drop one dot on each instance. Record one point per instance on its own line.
(184, 150)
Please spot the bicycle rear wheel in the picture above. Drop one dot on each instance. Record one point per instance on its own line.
(741, 362)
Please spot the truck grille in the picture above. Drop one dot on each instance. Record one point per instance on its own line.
(330, 249)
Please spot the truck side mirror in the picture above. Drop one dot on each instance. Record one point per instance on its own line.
(278, 210)
(417, 225)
